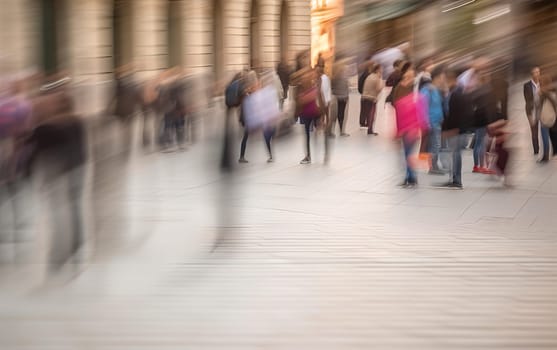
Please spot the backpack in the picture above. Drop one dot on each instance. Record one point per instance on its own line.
(232, 94)
(361, 81)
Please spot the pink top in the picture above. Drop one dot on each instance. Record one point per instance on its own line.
(411, 114)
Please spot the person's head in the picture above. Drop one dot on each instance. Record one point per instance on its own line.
(405, 67)
(408, 78)
(536, 73)
(438, 76)
(451, 77)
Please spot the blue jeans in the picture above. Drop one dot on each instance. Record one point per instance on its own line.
(457, 144)
(435, 145)
(479, 147)
(545, 141)
(409, 144)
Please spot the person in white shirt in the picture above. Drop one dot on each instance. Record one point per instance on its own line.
(326, 93)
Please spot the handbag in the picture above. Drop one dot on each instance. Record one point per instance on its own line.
(310, 109)
(547, 115)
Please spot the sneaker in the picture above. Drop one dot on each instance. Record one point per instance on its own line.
(270, 160)
(436, 172)
(487, 171)
(242, 160)
(372, 133)
(453, 186)
(344, 134)
(306, 160)
(477, 170)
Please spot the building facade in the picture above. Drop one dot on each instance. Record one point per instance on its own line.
(90, 39)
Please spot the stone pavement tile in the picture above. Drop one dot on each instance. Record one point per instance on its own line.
(497, 203)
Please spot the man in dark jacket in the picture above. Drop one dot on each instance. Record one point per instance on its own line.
(458, 121)
(531, 96)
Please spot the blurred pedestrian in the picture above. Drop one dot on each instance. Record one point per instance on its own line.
(457, 123)
(532, 98)
(484, 113)
(283, 71)
(546, 115)
(411, 119)
(341, 91)
(434, 98)
(60, 154)
(372, 88)
(310, 102)
(365, 72)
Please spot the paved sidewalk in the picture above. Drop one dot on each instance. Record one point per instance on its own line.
(307, 257)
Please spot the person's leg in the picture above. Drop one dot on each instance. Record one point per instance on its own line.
(180, 132)
(479, 148)
(75, 200)
(341, 109)
(307, 126)
(534, 129)
(244, 144)
(553, 137)
(371, 118)
(363, 115)
(457, 145)
(268, 135)
(545, 143)
(435, 146)
(408, 145)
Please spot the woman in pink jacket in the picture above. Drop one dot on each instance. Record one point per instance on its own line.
(411, 120)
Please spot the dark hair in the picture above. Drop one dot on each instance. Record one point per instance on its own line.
(397, 63)
(406, 66)
(437, 71)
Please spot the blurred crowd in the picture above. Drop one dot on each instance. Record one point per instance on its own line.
(439, 104)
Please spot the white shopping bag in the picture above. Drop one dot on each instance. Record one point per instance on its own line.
(261, 108)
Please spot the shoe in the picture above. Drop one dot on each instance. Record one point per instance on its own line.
(270, 160)
(487, 171)
(543, 160)
(372, 133)
(331, 135)
(344, 134)
(306, 160)
(436, 172)
(412, 184)
(453, 186)
(477, 170)
(242, 160)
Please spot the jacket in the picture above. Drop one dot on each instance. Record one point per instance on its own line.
(372, 87)
(459, 111)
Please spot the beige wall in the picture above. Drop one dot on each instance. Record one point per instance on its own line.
(88, 47)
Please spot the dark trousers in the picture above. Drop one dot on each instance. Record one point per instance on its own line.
(370, 111)
(341, 110)
(309, 124)
(553, 137)
(535, 138)
(363, 115)
(268, 134)
(173, 126)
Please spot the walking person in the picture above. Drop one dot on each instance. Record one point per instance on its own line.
(546, 115)
(232, 101)
(485, 110)
(341, 91)
(457, 123)
(433, 95)
(366, 67)
(250, 84)
(532, 98)
(310, 102)
(372, 88)
(410, 118)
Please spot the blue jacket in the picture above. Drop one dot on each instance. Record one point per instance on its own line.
(435, 104)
